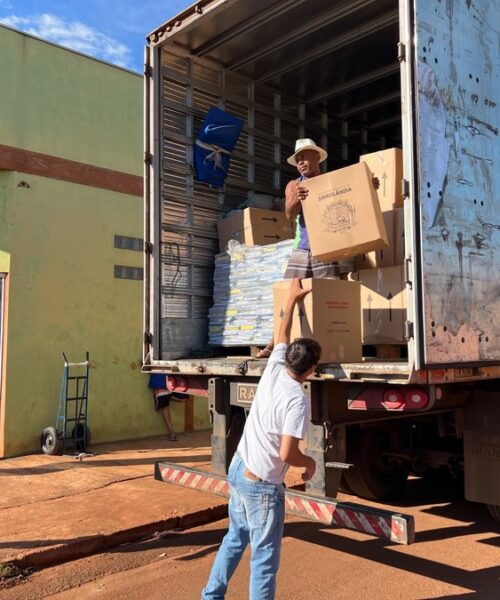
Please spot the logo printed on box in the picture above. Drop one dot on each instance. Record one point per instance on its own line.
(339, 216)
(335, 192)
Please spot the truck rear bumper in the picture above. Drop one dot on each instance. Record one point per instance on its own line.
(396, 527)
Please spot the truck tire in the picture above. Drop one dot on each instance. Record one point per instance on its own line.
(494, 511)
(344, 487)
(49, 441)
(372, 476)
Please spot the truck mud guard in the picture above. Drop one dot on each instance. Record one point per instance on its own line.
(396, 527)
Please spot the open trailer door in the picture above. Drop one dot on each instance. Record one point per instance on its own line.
(450, 93)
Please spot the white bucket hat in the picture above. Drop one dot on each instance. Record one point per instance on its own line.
(306, 144)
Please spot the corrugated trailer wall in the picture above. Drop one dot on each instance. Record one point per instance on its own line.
(189, 209)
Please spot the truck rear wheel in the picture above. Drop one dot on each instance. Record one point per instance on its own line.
(373, 476)
(494, 511)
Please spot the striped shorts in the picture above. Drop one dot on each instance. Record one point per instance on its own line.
(301, 264)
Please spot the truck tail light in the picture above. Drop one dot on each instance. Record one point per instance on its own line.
(393, 399)
(415, 398)
(177, 384)
(390, 399)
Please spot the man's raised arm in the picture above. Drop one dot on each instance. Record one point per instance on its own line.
(296, 294)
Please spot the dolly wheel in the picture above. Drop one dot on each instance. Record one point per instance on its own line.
(81, 443)
(49, 441)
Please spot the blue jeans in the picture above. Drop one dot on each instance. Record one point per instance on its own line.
(256, 515)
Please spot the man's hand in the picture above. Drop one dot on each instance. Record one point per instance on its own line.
(296, 290)
(301, 192)
(295, 194)
(291, 454)
(307, 475)
(376, 182)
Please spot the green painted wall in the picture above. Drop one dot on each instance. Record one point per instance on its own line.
(64, 297)
(60, 103)
(59, 236)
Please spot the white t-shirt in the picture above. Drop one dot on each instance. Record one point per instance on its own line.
(280, 407)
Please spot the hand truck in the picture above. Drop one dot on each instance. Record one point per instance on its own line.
(71, 424)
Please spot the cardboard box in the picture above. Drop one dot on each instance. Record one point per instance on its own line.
(394, 254)
(342, 214)
(383, 304)
(254, 227)
(387, 165)
(329, 314)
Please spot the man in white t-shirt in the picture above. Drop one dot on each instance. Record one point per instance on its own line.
(278, 420)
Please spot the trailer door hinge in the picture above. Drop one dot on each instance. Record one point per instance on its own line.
(405, 188)
(401, 52)
(408, 330)
(148, 158)
(148, 247)
(148, 71)
(148, 338)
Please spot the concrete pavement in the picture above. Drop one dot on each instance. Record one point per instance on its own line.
(55, 508)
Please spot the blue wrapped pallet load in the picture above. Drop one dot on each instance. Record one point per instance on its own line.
(242, 313)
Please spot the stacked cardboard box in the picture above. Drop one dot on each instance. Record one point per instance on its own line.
(342, 214)
(383, 304)
(387, 166)
(329, 314)
(345, 217)
(254, 227)
(394, 253)
(380, 272)
(242, 313)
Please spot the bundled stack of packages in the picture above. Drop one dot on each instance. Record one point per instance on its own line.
(242, 313)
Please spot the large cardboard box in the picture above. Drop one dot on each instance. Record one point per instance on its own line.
(329, 314)
(383, 304)
(342, 214)
(387, 165)
(394, 254)
(254, 227)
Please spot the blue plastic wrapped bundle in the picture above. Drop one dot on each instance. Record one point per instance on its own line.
(216, 139)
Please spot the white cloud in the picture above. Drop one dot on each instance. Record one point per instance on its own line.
(74, 35)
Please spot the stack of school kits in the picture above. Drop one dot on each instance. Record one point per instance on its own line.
(242, 313)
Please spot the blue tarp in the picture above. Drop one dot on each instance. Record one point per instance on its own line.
(216, 139)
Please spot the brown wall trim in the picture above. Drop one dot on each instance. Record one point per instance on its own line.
(35, 163)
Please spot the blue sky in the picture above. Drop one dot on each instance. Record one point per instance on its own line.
(111, 30)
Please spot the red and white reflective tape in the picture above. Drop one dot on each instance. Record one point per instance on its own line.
(196, 480)
(315, 510)
(396, 527)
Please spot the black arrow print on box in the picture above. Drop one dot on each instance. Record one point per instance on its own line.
(384, 177)
(369, 300)
(273, 219)
(301, 314)
(273, 237)
(389, 297)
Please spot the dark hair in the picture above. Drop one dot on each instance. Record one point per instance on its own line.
(301, 355)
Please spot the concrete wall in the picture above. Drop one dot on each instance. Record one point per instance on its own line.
(63, 295)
